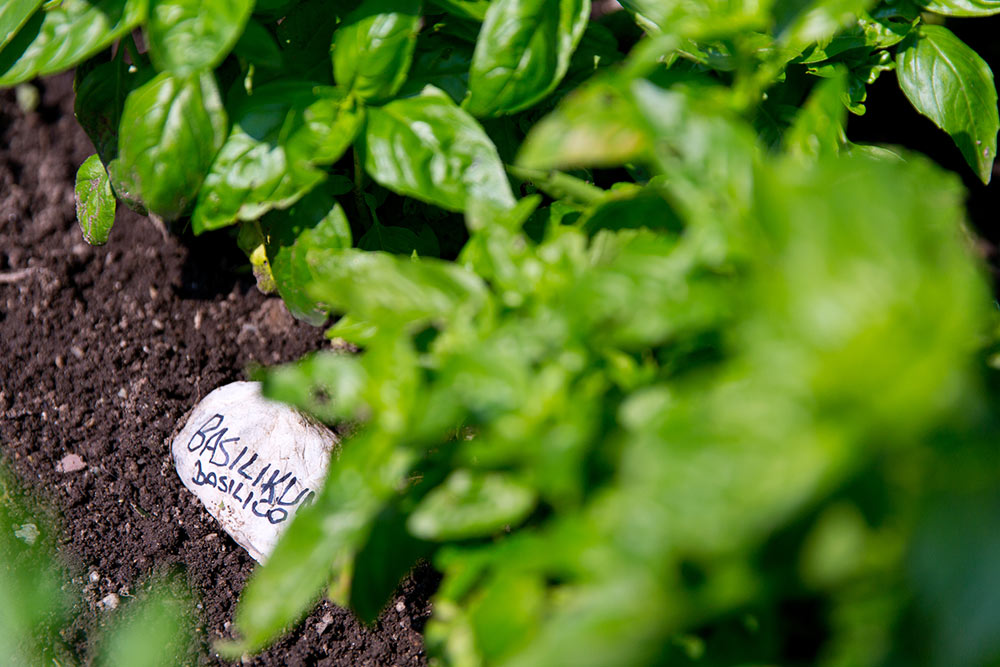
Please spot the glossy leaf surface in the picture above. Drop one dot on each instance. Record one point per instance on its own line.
(950, 84)
(523, 51)
(186, 35)
(373, 47)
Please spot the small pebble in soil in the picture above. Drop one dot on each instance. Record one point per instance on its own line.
(110, 601)
(95, 577)
(71, 463)
(252, 462)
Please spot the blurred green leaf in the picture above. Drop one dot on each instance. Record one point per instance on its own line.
(471, 505)
(156, 628)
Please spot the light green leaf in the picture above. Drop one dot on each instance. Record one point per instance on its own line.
(523, 52)
(595, 126)
(373, 47)
(962, 7)
(471, 504)
(186, 35)
(280, 134)
(171, 129)
(950, 84)
(314, 222)
(95, 202)
(428, 148)
(379, 287)
(54, 40)
(13, 16)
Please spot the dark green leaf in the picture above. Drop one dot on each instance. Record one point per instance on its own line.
(171, 129)
(388, 555)
(100, 98)
(315, 222)
(373, 47)
(258, 46)
(950, 84)
(470, 9)
(304, 36)
(471, 504)
(428, 148)
(522, 53)
(440, 61)
(400, 240)
(69, 33)
(186, 35)
(95, 203)
(280, 134)
(13, 16)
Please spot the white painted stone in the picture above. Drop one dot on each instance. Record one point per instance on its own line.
(252, 462)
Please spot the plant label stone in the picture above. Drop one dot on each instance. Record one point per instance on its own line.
(252, 462)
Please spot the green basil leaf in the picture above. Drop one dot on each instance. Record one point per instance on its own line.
(440, 61)
(471, 504)
(818, 128)
(388, 555)
(54, 40)
(379, 287)
(950, 84)
(279, 135)
(962, 7)
(373, 47)
(595, 126)
(100, 98)
(468, 9)
(258, 46)
(304, 36)
(523, 52)
(185, 35)
(171, 129)
(13, 16)
(314, 222)
(400, 240)
(95, 203)
(428, 148)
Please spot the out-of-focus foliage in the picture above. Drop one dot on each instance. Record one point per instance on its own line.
(152, 629)
(656, 365)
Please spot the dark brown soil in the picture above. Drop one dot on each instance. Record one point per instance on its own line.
(102, 351)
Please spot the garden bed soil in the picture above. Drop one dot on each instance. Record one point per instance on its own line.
(102, 351)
